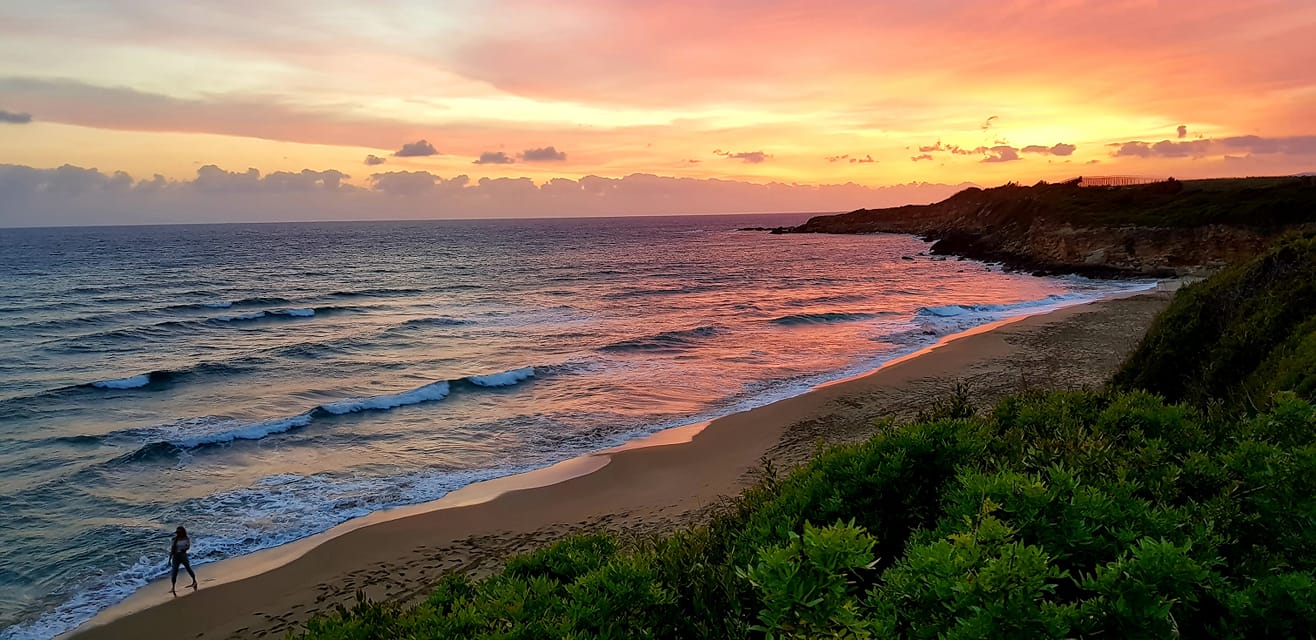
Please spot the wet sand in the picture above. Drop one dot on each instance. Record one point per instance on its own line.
(671, 480)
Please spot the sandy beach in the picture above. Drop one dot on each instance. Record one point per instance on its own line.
(668, 481)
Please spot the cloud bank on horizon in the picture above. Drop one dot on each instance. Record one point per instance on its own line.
(70, 195)
(1008, 89)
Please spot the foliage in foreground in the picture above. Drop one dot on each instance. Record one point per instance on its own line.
(1058, 515)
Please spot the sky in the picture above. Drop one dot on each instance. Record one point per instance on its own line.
(153, 111)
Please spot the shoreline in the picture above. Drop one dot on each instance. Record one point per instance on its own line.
(648, 485)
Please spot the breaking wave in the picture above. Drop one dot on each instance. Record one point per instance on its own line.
(665, 340)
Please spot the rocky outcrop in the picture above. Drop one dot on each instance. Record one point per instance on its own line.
(1065, 228)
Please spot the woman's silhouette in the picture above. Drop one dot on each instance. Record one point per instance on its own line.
(178, 556)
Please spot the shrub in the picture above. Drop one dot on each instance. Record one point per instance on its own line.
(807, 585)
(1238, 337)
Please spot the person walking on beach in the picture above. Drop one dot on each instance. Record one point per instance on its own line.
(178, 556)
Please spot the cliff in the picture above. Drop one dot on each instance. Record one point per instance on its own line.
(1167, 228)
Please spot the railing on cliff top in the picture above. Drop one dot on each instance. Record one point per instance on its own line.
(1117, 181)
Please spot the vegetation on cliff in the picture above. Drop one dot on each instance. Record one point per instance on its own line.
(1160, 228)
(1064, 514)
(1238, 337)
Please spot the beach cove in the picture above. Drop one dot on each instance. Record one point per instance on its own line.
(636, 490)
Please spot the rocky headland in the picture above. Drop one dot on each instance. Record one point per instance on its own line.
(1169, 228)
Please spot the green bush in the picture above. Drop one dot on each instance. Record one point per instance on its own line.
(807, 585)
(1238, 337)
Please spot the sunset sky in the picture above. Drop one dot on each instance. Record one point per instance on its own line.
(758, 91)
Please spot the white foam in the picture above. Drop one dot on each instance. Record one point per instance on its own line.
(427, 393)
(241, 431)
(504, 379)
(224, 304)
(297, 313)
(273, 511)
(87, 603)
(131, 382)
(253, 315)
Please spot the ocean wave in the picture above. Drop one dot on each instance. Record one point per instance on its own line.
(196, 433)
(298, 312)
(436, 322)
(822, 318)
(131, 382)
(428, 393)
(375, 293)
(840, 298)
(135, 381)
(665, 340)
(503, 379)
(255, 301)
(667, 291)
(955, 310)
(259, 301)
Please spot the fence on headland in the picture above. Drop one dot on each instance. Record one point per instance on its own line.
(1117, 181)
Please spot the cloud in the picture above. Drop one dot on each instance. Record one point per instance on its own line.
(1292, 145)
(10, 117)
(71, 195)
(1182, 130)
(988, 123)
(494, 157)
(1168, 149)
(1001, 153)
(544, 154)
(372, 160)
(752, 157)
(1163, 149)
(921, 156)
(1062, 149)
(1132, 149)
(1058, 149)
(1284, 145)
(254, 116)
(931, 148)
(867, 158)
(212, 179)
(403, 183)
(415, 149)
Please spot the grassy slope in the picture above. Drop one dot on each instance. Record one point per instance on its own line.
(1247, 202)
(1110, 514)
(1238, 337)
(1262, 203)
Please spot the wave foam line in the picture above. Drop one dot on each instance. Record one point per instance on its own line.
(131, 382)
(828, 317)
(428, 393)
(504, 379)
(195, 433)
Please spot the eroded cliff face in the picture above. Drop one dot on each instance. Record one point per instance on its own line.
(1132, 250)
(1068, 229)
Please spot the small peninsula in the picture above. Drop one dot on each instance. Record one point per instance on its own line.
(1161, 229)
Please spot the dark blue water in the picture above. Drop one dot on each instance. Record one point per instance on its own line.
(261, 383)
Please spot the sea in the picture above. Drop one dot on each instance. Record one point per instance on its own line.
(260, 383)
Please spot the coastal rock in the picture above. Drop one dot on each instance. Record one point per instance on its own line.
(1162, 229)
